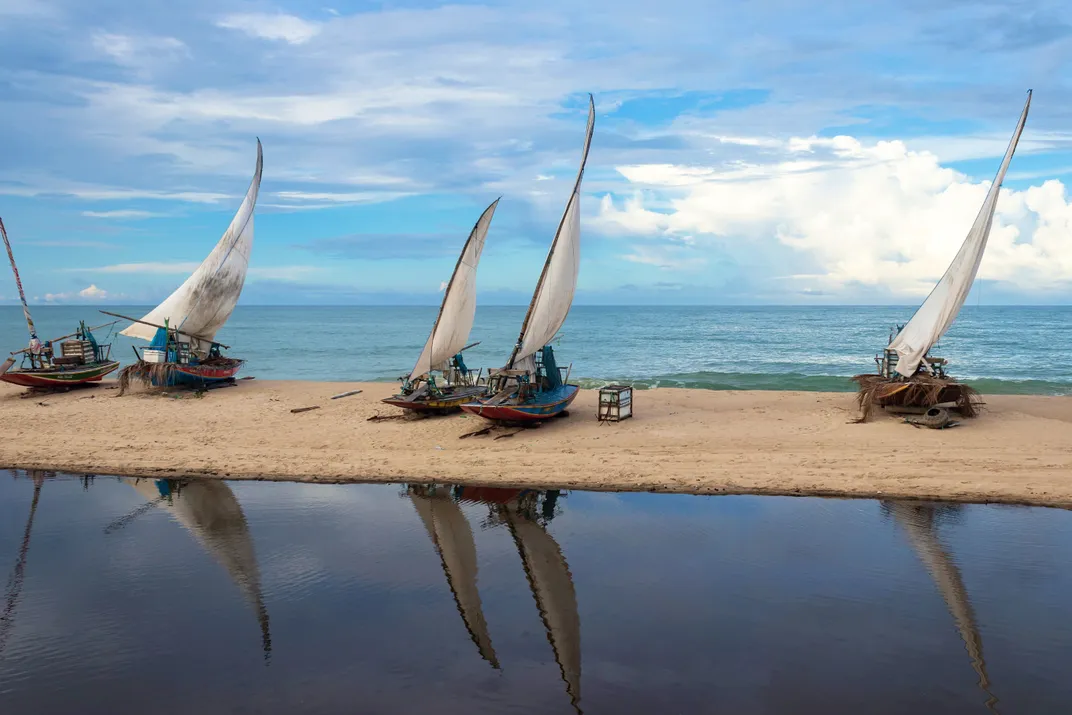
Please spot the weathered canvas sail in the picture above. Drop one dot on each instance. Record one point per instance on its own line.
(453, 539)
(200, 306)
(552, 587)
(917, 520)
(456, 314)
(941, 307)
(554, 292)
(209, 510)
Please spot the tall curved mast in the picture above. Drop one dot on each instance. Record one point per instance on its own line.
(35, 342)
(553, 296)
(458, 309)
(201, 306)
(940, 308)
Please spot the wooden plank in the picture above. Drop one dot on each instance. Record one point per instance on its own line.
(345, 394)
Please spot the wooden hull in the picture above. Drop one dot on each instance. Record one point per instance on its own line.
(543, 407)
(448, 402)
(60, 377)
(197, 375)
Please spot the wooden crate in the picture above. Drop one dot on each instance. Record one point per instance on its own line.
(615, 403)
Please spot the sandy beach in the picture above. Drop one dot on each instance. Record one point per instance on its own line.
(798, 443)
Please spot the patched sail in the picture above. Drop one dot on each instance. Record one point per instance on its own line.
(200, 306)
(941, 307)
(554, 293)
(451, 328)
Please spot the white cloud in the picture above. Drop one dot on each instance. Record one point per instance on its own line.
(279, 26)
(333, 198)
(88, 192)
(120, 214)
(92, 292)
(876, 214)
(284, 273)
(160, 267)
(136, 51)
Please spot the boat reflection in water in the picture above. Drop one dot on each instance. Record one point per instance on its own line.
(920, 520)
(13, 589)
(526, 514)
(208, 509)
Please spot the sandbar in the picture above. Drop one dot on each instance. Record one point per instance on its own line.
(695, 441)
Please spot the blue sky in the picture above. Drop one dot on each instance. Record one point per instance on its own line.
(775, 152)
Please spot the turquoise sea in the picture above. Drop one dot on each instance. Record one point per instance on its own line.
(998, 349)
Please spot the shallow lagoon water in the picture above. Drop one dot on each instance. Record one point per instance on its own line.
(127, 595)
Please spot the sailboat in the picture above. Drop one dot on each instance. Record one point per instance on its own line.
(82, 360)
(209, 510)
(449, 531)
(907, 374)
(531, 386)
(918, 522)
(182, 330)
(443, 351)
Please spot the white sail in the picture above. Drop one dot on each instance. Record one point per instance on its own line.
(209, 510)
(453, 539)
(558, 282)
(552, 587)
(200, 306)
(451, 328)
(941, 307)
(918, 523)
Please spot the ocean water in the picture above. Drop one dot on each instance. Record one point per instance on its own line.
(143, 596)
(1019, 350)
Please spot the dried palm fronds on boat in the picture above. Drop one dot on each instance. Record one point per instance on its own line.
(146, 373)
(921, 390)
(151, 374)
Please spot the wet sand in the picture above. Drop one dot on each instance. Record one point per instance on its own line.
(701, 441)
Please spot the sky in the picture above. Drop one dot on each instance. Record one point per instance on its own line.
(744, 153)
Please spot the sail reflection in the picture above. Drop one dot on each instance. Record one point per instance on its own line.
(453, 539)
(209, 510)
(525, 513)
(920, 523)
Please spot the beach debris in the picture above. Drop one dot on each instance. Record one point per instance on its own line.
(304, 409)
(477, 433)
(248, 377)
(43, 404)
(381, 418)
(438, 447)
(934, 418)
(345, 394)
(508, 434)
